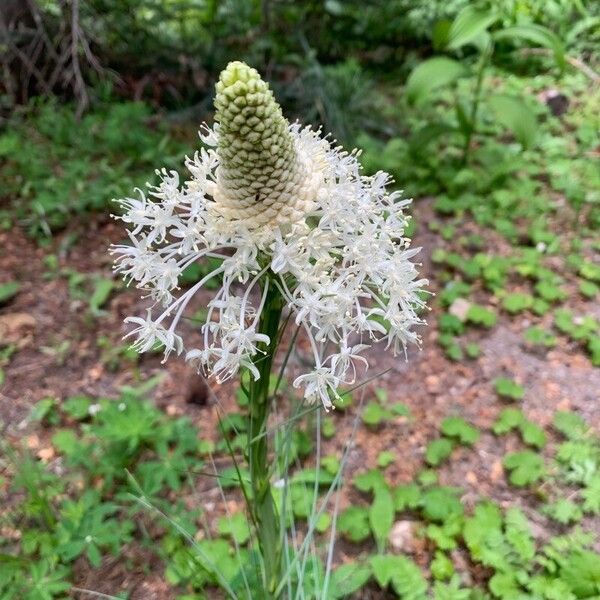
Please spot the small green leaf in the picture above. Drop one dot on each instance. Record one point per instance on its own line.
(8, 291)
(533, 434)
(431, 75)
(537, 34)
(438, 450)
(458, 428)
(65, 441)
(441, 567)
(441, 503)
(516, 303)
(77, 407)
(236, 526)
(525, 467)
(536, 336)
(510, 418)
(381, 516)
(507, 388)
(406, 497)
(348, 579)
(571, 425)
(515, 115)
(373, 414)
(369, 481)
(588, 289)
(354, 523)
(385, 458)
(402, 573)
(479, 315)
(590, 270)
(564, 511)
(100, 295)
(468, 25)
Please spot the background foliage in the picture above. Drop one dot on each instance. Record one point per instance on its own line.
(490, 107)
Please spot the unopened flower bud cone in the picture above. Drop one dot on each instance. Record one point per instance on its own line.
(262, 177)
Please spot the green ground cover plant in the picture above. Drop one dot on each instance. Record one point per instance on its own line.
(124, 461)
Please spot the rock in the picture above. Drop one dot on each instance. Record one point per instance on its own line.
(46, 454)
(460, 308)
(471, 478)
(556, 101)
(432, 383)
(14, 326)
(402, 536)
(496, 471)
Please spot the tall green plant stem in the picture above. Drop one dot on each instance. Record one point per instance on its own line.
(262, 503)
(483, 61)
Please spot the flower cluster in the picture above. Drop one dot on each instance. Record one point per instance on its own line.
(278, 205)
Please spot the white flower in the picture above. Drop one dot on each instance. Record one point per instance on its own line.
(280, 206)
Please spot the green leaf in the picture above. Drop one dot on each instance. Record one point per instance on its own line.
(406, 496)
(479, 315)
(581, 572)
(430, 75)
(514, 114)
(549, 291)
(590, 270)
(452, 590)
(507, 388)
(348, 579)
(591, 495)
(438, 450)
(588, 289)
(77, 407)
(571, 425)
(403, 574)
(564, 511)
(408, 581)
(518, 534)
(236, 526)
(385, 458)
(468, 25)
(421, 138)
(538, 35)
(510, 418)
(441, 503)
(65, 441)
(504, 585)
(373, 414)
(515, 303)
(100, 295)
(369, 481)
(458, 428)
(525, 467)
(441, 566)
(354, 523)
(533, 434)
(381, 516)
(8, 291)
(536, 336)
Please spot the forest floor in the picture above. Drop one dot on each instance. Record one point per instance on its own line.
(65, 347)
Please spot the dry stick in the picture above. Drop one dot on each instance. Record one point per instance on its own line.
(573, 61)
(25, 60)
(79, 84)
(37, 18)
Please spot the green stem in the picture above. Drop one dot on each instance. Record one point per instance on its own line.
(263, 503)
(485, 56)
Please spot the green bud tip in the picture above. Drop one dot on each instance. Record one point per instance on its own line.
(259, 167)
